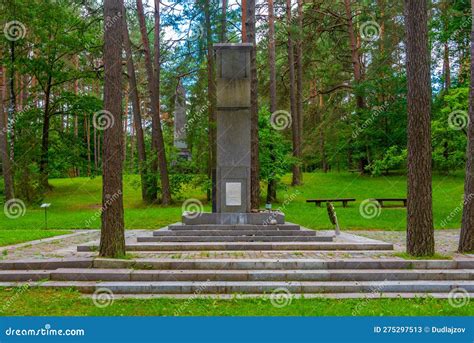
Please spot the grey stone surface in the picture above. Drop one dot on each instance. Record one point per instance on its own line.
(246, 246)
(233, 128)
(235, 238)
(236, 232)
(262, 218)
(180, 122)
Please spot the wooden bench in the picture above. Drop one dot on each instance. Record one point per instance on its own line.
(382, 200)
(343, 200)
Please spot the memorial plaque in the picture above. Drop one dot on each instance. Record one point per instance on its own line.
(233, 194)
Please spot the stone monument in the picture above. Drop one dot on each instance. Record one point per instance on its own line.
(233, 143)
(180, 122)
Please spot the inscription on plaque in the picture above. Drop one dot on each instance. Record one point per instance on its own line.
(233, 194)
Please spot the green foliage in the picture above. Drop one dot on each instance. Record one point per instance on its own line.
(448, 130)
(274, 149)
(391, 160)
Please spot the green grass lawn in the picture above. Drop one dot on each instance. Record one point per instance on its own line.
(13, 236)
(76, 203)
(48, 302)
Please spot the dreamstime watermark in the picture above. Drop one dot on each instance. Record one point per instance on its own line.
(192, 208)
(193, 297)
(373, 291)
(191, 120)
(44, 331)
(111, 21)
(19, 291)
(14, 208)
(196, 34)
(458, 297)
(370, 209)
(458, 120)
(109, 201)
(281, 297)
(271, 220)
(376, 111)
(14, 30)
(103, 120)
(370, 31)
(458, 209)
(103, 297)
(280, 120)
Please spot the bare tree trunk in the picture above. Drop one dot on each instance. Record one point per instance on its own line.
(254, 170)
(271, 187)
(158, 141)
(420, 233)
(147, 192)
(212, 105)
(157, 134)
(112, 239)
(294, 114)
(5, 156)
(466, 240)
(299, 83)
(43, 168)
(224, 22)
(357, 65)
(244, 20)
(13, 107)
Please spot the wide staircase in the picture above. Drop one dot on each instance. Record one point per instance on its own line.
(218, 277)
(244, 237)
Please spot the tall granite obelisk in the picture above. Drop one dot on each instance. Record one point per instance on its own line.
(233, 127)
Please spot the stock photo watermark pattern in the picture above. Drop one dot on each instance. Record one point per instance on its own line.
(192, 208)
(370, 31)
(281, 297)
(280, 120)
(14, 208)
(103, 297)
(458, 297)
(103, 120)
(370, 209)
(14, 30)
(458, 120)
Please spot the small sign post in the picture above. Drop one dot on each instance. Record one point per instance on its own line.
(45, 206)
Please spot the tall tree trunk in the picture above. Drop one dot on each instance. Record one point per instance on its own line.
(112, 239)
(212, 105)
(147, 192)
(357, 66)
(466, 240)
(271, 187)
(157, 134)
(43, 168)
(12, 108)
(224, 22)
(299, 83)
(446, 68)
(293, 106)
(244, 20)
(254, 170)
(5, 156)
(420, 233)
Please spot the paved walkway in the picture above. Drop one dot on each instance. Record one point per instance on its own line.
(66, 247)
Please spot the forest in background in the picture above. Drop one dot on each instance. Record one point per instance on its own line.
(346, 89)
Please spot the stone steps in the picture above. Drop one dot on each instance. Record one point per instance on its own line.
(247, 246)
(281, 264)
(188, 278)
(191, 288)
(217, 238)
(252, 233)
(79, 274)
(233, 227)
